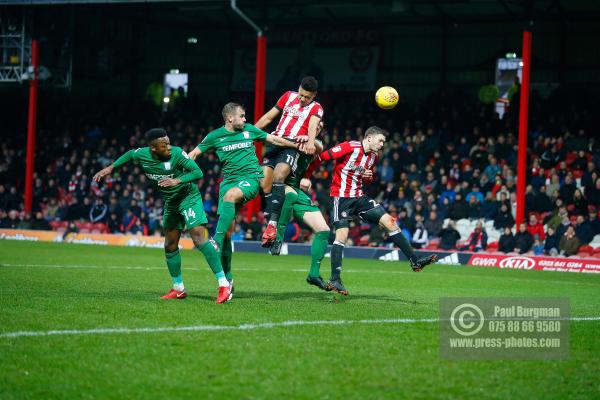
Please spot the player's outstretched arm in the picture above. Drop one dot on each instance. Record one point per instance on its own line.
(124, 159)
(194, 153)
(266, 119)
(277, 141)
(186, 163)
(313, 124)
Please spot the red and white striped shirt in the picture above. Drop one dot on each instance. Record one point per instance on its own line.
(294, 119)
(350, 166)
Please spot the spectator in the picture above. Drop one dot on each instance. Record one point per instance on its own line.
(71, 228)
(477, 240)
(129, 221)
(489, 208)
(13, 220)
(583, 230)
(504, 218)
(459, 209)
(26, 222)
(569, 242)
(535, 228)
(433, 225)
(449, 236)
(567, 190)
(594, 221)
(541, 201)
(40, 223)
(506, 243)
(114, 224)
(580, 204)
(238, 234)
(523, 240)
(551, 242)
(385, 171)
(474, 208)
(419, 236)
(475, 193)
(98, 211)
(553, 187)
(492, 169)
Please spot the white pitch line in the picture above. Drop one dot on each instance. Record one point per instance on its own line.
(243, 327)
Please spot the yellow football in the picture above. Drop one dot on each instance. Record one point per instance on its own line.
(386, 97)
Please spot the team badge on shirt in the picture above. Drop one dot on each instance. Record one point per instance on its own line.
(167, 165)
(246, 134)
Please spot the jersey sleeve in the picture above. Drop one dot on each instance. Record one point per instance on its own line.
(193, 172)
(207, 143)
(317, 111)
(336, 152)
(255, 133)
(125, 158)
(282, 100)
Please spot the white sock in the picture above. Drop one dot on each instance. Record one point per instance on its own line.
(179, 287)
(223, 282)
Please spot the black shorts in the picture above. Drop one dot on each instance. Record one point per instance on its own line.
(276, 154)
(344, 209)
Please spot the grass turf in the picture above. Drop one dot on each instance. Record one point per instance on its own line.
(47, 286)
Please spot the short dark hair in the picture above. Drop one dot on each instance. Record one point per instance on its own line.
(374, 130)
(155, 133)
(230, 108)
(309, 83)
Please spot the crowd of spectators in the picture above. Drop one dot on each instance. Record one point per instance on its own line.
(444, 161)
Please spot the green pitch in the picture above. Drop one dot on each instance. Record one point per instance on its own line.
(45, 286)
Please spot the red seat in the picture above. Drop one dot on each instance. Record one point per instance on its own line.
(589, 250)
(492, 246)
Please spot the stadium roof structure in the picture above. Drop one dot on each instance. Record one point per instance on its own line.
(277, 13)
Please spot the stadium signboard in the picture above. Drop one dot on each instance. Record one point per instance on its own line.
(561, 264)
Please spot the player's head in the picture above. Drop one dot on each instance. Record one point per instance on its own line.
(159, 143)
(374, 139)
(307, 90)
(234, 116)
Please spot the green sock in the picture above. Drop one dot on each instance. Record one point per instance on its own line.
(212, 257)
(286, 214)
(226, 252)
(174, 265)
(317, 252)
(226, 217)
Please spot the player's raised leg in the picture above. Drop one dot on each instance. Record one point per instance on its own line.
(208, 249)
(266, 184)
(286, 215)
(315, 220)
(173, 259)
(274, 206)
(417, 264)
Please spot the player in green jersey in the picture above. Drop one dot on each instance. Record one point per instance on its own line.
(172, 172)
(234, 145)
(298, 203)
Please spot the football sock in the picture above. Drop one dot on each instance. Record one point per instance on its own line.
(286, 214)
(174, 265)
(226, 217)
(400, 241)
(226, 252)
(317, 252)
(268, 206)
(336, 259)
(213, 259)
(277, 198)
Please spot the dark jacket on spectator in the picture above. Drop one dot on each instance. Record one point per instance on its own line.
(523, 241)
(506, 243)
(568, 246)
(448, 238)
(503, 219)
(550, 243)
(458, 210)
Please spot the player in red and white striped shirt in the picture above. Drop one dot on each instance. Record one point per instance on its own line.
(300, 117)
(354, 162)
